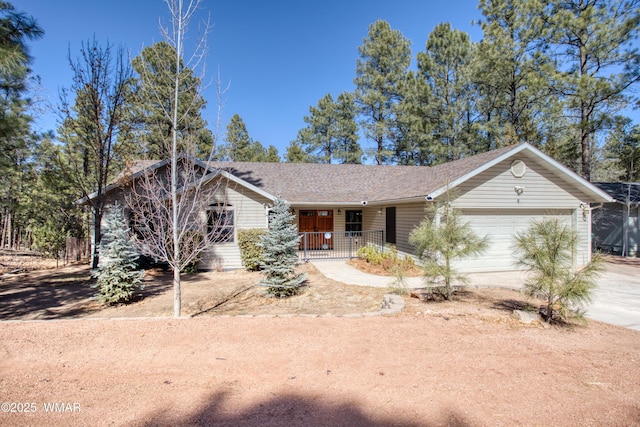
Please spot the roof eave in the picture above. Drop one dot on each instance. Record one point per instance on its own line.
(240, 181)
(135, 175)
(362, 203)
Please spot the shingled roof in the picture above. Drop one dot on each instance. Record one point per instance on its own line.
(346, 183)
(334, 184)
(621, 191)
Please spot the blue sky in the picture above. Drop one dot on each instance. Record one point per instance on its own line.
(279, 57)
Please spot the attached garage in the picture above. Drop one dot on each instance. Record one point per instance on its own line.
(501, 227)
(503, 197)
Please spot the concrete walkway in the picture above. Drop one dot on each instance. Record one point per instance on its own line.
(616, 299)
(340, 271)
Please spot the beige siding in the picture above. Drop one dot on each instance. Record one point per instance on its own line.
(489, 201)
(582, 226)
(373, 218)
(495, 188)
(249, 212)
(407, 218)
(544, 194)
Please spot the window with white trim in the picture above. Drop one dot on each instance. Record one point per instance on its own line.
(220, 223)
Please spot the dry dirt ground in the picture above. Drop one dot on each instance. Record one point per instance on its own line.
(461, 363)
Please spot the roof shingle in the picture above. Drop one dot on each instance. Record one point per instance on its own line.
(346, 183)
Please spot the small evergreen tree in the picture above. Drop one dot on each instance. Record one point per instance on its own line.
(118, 279)
(279, 257)
(442, 238)
(546, 250)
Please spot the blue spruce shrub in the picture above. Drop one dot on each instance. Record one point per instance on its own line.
(118, 279)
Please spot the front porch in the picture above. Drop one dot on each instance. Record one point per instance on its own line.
(337, 245)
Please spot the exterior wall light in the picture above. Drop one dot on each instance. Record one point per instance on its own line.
(585, 210)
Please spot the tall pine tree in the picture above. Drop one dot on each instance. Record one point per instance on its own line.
(240, 147)
(384, 61)
(153, 102)
(16, 137)
(331, 132)
(511, 75)
(415, 123)
(296, 154)
(445, 65)
(593, 44)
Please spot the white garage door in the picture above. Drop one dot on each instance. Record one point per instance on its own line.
(501, 227)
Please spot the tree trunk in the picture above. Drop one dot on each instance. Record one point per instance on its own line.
(447, 279)
(9, 232)
(4, 228)
(177, 303)
(585, 142)
(549, 309)
(95, 255)
(585, 117)
(380, 144)
(177, 262)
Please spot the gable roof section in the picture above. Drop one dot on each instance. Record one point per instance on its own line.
(135, 170)
(596, 194)
(347, 184)
(621, 192)
(313, 183)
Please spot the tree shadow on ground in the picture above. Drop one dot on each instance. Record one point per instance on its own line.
(56, 294)
(294, 410)
(503, 304)
(512, 304)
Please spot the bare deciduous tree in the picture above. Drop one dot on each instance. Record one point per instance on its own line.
(202, 216)
(183, 210)
(91, 124)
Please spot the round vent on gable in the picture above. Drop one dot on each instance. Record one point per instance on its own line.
(518, 168)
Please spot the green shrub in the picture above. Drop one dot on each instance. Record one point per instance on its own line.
(372, 254)
(251, 252)
(387, 258)
(190, 241)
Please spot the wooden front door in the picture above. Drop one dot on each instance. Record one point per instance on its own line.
(319, 222)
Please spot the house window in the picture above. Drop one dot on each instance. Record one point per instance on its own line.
(141, 221)
(353, 221)
(220, 223)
